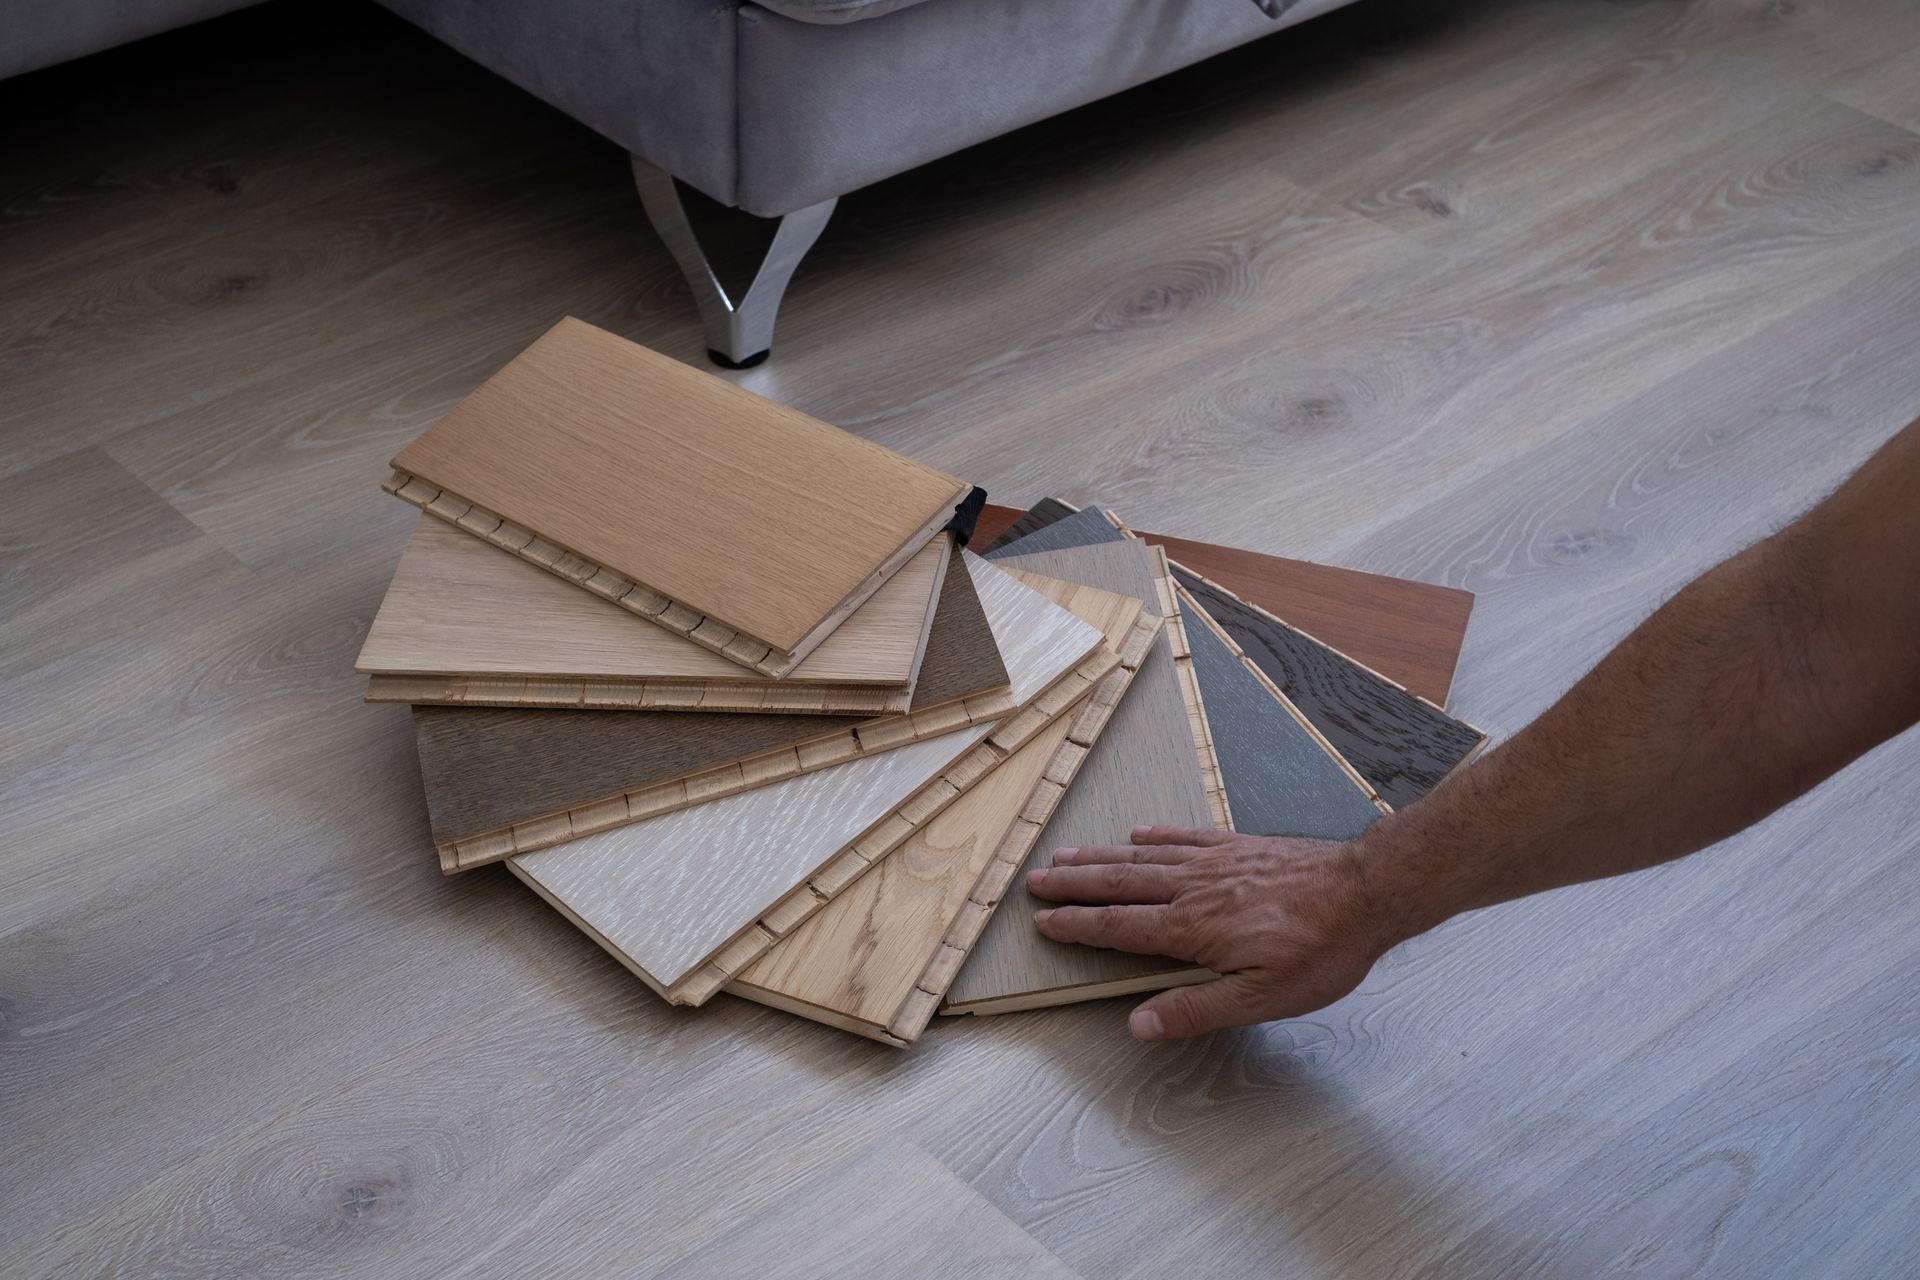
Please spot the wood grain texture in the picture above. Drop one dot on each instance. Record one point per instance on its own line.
(503, 782)
(1410, 631)
(1280, 776)
(1400, 744)
(689, 898)
(479, 621)
(893, 1211)
(680, 487)
(878, 959)
(1403, 745)
(247, 1033)
(1145, 768)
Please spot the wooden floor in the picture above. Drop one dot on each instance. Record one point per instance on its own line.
(1557, 301)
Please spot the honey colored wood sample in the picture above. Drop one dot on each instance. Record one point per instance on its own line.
(688, 899)
(466, 624)
(1403, 745)
(877, 960)
(1410, 632)
(676, 494)
(1145, 768)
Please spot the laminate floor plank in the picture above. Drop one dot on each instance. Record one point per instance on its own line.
(500, 782)
(1146, 762)
(877, 959)
(672, 493)
(678, 896)
(1281, 778)
(245, 1030)
(458, 608)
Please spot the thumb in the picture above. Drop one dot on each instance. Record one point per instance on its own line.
(1192, 1011)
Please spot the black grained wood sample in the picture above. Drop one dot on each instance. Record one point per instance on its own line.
(1402, 745)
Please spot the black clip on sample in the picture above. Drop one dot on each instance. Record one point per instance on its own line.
(966, 515)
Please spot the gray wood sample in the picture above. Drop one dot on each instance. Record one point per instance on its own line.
(487, 768)
(1144, 769)
(1280, 781)
(1403, 745)
(1056, 527)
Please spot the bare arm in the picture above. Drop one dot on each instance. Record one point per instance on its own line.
(1755, 682)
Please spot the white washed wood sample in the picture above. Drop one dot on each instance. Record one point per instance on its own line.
(466, 623)
(877, 959)
(687, 899)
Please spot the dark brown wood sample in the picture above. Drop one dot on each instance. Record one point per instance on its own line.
(485, 768)
(1409, 631)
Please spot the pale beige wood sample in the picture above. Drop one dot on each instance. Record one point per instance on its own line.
(1153, 764)
(687, 899)
(676, 494)
(465, 623)
(877, 960)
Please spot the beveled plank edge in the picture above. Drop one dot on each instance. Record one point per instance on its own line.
(616, 588)
(878, 578)
(542, 831)
(887, 834)
(1211, 780)
(1198, 611)
(1055, 996)
(964, 930)
(562, 694)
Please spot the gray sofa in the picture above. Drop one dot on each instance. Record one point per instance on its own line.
(780, 107)
(776, 107)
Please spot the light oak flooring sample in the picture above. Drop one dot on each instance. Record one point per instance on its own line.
(511, 781)
(675, 493)
(1403, 745)
(878, 958)
(687, 899)
(1280, 777)
(1144, 769)
(466, 623)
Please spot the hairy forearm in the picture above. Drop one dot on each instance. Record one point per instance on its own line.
(1751, 685)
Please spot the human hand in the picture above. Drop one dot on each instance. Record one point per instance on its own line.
(1289, 925)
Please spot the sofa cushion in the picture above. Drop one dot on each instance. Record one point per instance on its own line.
(831, 11)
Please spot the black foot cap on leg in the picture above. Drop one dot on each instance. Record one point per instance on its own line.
(726, 363)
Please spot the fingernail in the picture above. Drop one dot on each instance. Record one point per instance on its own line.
(1033, 876)
(1069, 854)
(1040, 917)
(1145, 1025)
(1140, 831)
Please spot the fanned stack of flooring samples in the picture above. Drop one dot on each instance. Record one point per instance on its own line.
(723, 686)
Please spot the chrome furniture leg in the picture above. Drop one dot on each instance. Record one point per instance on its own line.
(739, 332)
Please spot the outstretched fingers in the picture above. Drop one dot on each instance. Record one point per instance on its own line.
(1119, 882)
(1143, 930)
